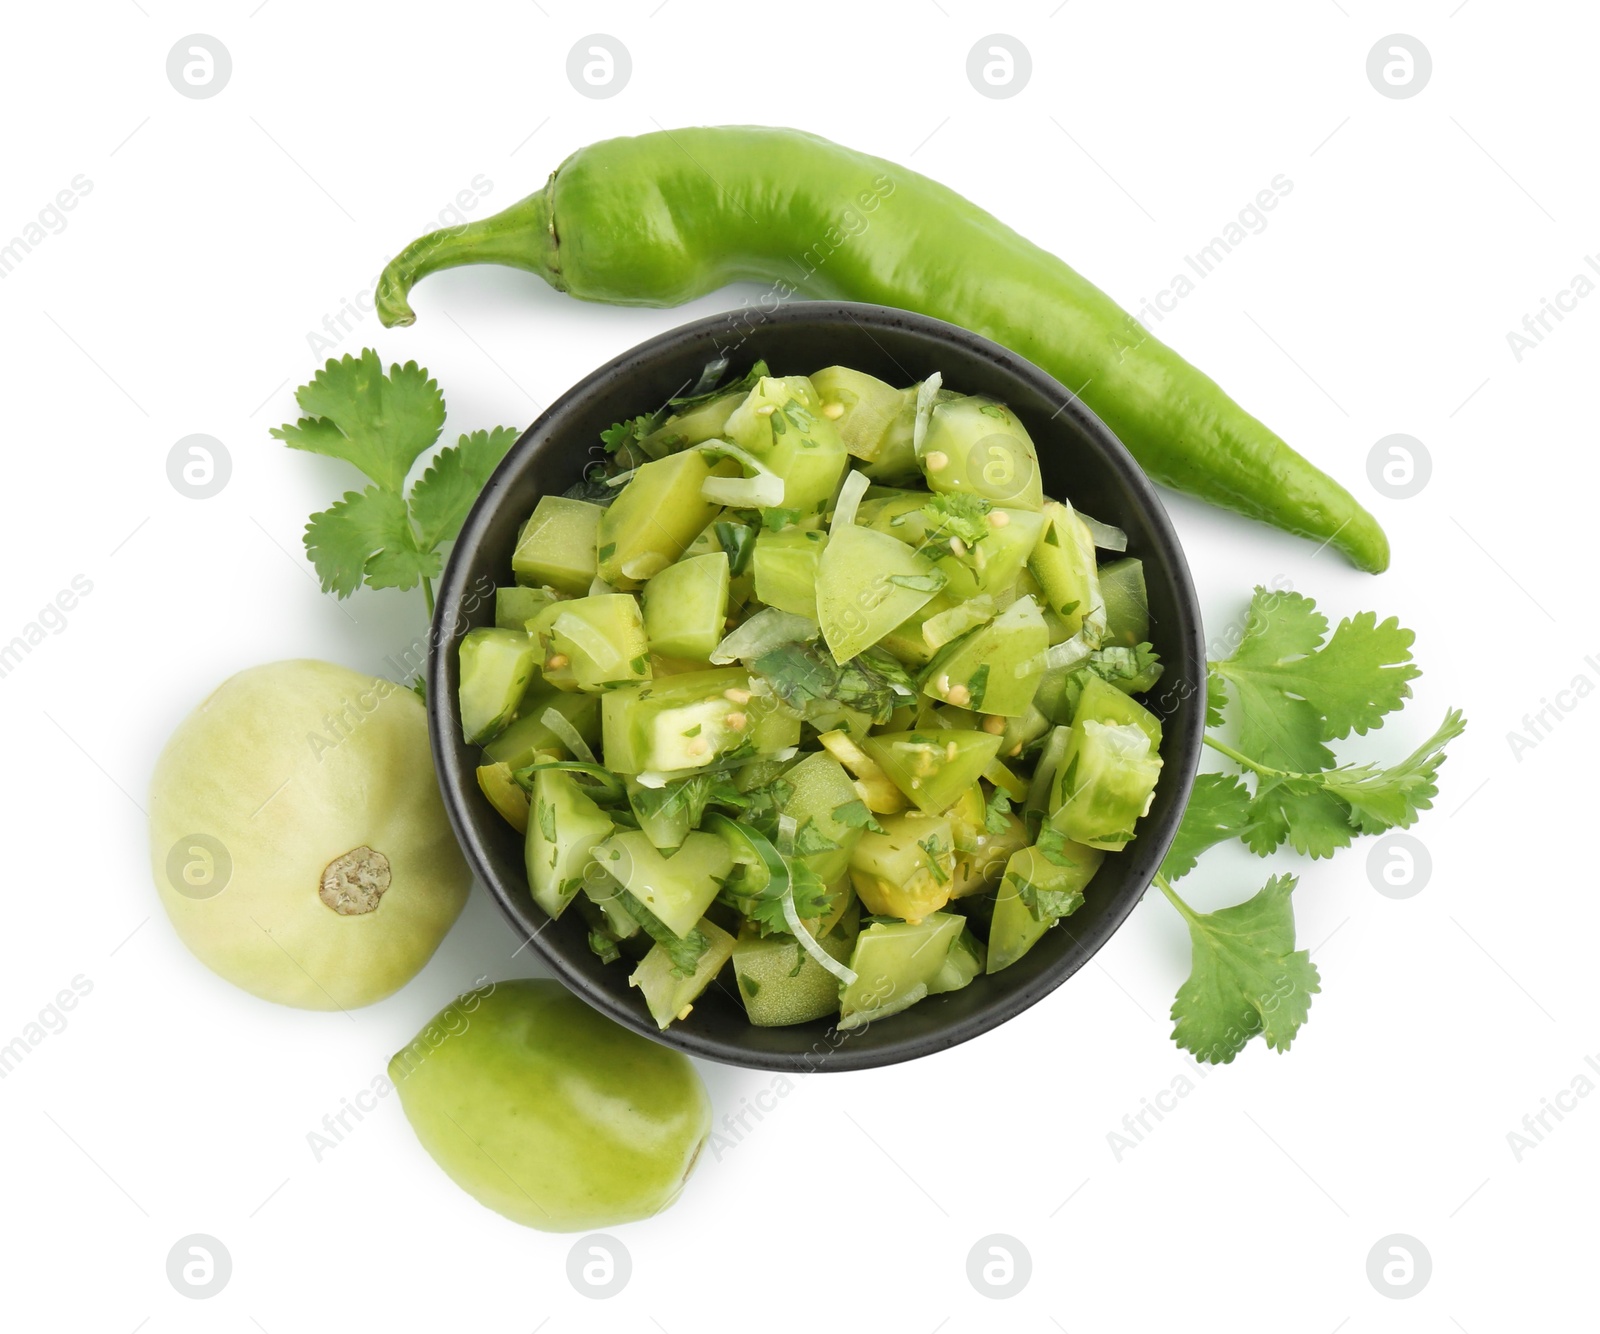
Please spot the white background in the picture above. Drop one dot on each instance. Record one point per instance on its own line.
(219, 233)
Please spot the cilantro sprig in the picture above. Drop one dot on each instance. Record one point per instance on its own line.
(1289, 688)
(383, 423)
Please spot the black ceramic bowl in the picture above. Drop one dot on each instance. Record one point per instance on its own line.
(1078, 457)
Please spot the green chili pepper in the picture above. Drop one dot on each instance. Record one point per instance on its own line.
(663, 218)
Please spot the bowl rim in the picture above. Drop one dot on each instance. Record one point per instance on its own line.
(458, 786)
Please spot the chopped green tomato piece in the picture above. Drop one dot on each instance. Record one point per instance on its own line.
(1022, 731)
(1062, 561)
(909, 641)
(1104, 703)
(785, 565)
(676, 890)
(600, 640)
(964, 962)
(1127, 602)
(995, 668)
(897, 512)
(686, 607)
(1046, 769)
(497, 784)
(750, 426)
(658, 514)
(557, 545)
(1051, 698)
(907, 870)
(602, 898)
(1052, 875)
(515, 606)
(993, 563)
(663, 820)
(555, 670)
(780, 983)
(867, 584)
(980, 549)
(981, 867)
(967, 815)
(782, 424)
(1013, 930)
(1042, 884)
(1106, 782)
(496, 667)
(692, 426)
(861, 406)
(894, 963)
(896, 460)
(825, 807)
(976, 446)
(526, 739)
(670, 996)
(692, 720)
(1014, 784)
(564, 827)
(933, 767)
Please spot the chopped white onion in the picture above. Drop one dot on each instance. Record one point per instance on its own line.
(844, 509)
(1106, 537)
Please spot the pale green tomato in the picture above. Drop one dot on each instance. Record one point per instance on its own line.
(297, 836)
(543, 1109)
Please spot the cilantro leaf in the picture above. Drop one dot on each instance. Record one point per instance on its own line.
(995, 813)
(958, 514)
(381, 423)
(778, 519)
(932, 849)
(1216, 698)
(594, 487)
(1293, 692)
(1219, 809)
(367, 535)
(810, 840)
(1322, 812)
(604, 947)
(763, 805)
(619, 435)
(1045, 905)
(811, 900)
(1246, 976)
(811, 897)
(1051, 844)
(441, 497)
(1392, 798)
(1301, 810)
(806, 677)
(1131, 669)
(856, 815)
(684, 951)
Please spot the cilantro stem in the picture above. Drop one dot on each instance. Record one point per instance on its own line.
(1245, 761)
(427, 595)
(1173, 897)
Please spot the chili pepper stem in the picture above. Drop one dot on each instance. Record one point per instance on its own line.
(521, 236)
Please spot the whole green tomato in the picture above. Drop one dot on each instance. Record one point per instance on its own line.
(543, 1109)
(297, 836)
